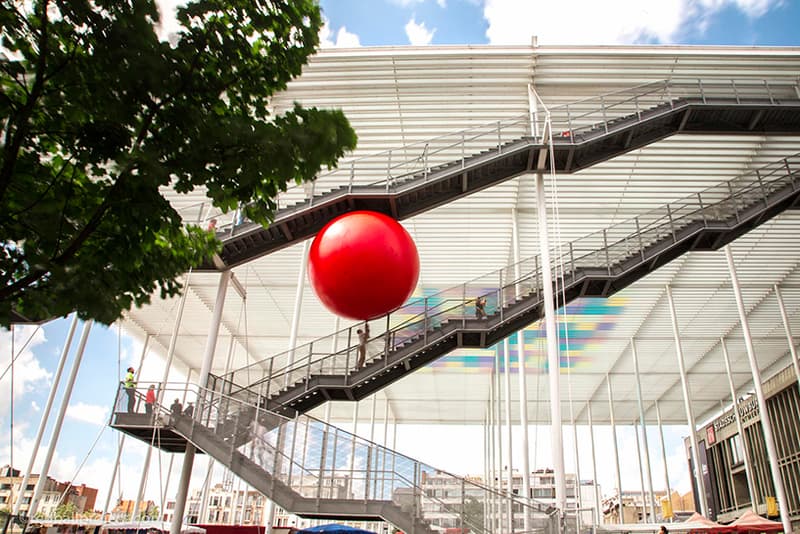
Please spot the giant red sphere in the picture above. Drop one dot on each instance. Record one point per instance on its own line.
(363, 265)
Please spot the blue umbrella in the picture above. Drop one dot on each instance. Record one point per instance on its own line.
(335, 529)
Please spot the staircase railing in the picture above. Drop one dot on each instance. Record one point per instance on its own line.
(601, 254)
(574, 122)
(320, 462)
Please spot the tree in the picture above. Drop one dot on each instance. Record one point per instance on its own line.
(98, 115)
(65, 510)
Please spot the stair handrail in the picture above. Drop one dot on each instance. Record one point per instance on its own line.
(627, 235)
(213, 410)
(568, 127)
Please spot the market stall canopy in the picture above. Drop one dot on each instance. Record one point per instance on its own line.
(700, 523)
(750, 522)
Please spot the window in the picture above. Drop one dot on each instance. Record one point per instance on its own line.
(737, 452)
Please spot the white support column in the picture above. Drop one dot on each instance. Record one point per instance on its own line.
(498, 422)
(51, 448)
(687, 404)
(172, 456)
(47, 407)
(594, 464)
(525, 468)
(372, 418)
(115, 468)
(202, 381)
(353, 446)
(509, 435)
(643, 421)
(789, 338)
(641, 470)
(486, 501)
(616, 447)
(202, 514)
(663, 452)
(578, 498)
(766, 425)
(553, 355)
(298, 304)
(173, 340)
(492, 457)
(748, 469)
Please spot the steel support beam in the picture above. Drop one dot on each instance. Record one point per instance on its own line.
(687, 404)
(766, 425)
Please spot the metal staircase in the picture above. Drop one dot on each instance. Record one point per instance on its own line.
(316, 470)
(597, 265)
(409, 180)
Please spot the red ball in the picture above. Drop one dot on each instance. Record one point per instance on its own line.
(363, 265)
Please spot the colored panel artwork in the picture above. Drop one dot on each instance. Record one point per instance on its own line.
(586, 323)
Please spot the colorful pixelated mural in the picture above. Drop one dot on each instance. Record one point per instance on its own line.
(586, 323)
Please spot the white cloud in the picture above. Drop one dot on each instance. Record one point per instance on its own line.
(88, 413)
(35, 406)
(418, 34)
(611, 22)
(29, 373)
(344, 39)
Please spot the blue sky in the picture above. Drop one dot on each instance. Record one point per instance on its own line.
(365, 23)
(441, 22)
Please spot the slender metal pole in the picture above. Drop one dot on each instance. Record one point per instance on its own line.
(51, 448)
(385, 444)
(372, 419)
(594, 464)
(553, 355)
(509, 435)
(643, 422)
(492, 457)
(298, 304)
(766, 425)
(663, 452)
(641, 471)
(173, 340)
(353, 449)
(121, 444)
(486, 470)
(788, 329)
(172, 456)
(578, 497)
(498, 421)
(202, 381)
(748, 469)
(523, 385)
(47, 407)
(616, 448)
(687, 404)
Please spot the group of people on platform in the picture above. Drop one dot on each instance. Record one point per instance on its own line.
(150, 399)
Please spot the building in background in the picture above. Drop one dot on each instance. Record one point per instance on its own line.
(55, 493)
(724, 454)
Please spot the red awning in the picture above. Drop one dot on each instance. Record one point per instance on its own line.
(750, 522)
(700, 523)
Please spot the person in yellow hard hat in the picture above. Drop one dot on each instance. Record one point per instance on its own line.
(130, 389)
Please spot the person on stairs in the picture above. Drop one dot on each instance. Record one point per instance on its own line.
(480, 308)
(363, 338)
